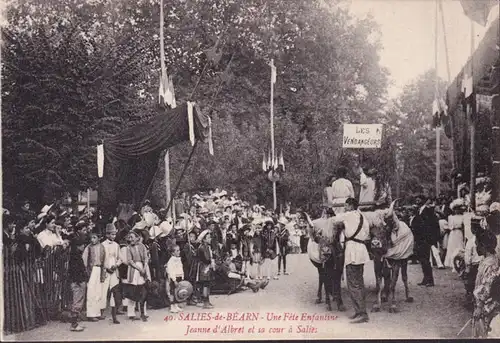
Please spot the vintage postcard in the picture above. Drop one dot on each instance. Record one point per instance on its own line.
(250, 169)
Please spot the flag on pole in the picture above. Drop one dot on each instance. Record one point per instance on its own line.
(173, 103)
(273, 72)
(478, 10)
(210, 142)
(282, 161)
(100, 160)
(467, 85)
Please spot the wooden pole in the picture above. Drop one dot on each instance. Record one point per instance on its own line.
(163, 74)
(437, 98)
(495, 138)
(272, 132)
(448, 73)
(398, 162)
(495, 135)
(168, 195)
(438, 161)
(88, 202)
(471, 114)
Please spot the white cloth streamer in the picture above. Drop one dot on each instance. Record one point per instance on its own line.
(100, 160)
(190, 106)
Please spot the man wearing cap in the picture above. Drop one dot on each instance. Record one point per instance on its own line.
(111, 263)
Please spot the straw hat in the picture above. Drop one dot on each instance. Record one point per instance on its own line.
(202, 235)
(283, 221)
(183, 291)
(457, 203)
(495, 206)
(135, 233)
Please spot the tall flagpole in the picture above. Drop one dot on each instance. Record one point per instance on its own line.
(163, 71)
(453, 153)
(438, 126)
(272, 131)
(472, 122)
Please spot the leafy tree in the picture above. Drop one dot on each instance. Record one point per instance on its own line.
(410, 123)
(328, 74)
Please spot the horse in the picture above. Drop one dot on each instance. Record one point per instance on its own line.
(391, 245)
(326, 255)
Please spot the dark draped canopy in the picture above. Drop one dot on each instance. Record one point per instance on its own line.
(131, 157)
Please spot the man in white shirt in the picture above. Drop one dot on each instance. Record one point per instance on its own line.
(111, 263)
(341, 189)
(367, 183)
(357, 231)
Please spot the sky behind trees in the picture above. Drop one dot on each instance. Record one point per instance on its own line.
(407, 28)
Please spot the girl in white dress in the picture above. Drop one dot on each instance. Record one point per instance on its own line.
(456, 236)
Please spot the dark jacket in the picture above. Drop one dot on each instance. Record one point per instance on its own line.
(26, 247)
(204, 254)
(425, 227)
(269, 240)
(189, 261)
(77, 270)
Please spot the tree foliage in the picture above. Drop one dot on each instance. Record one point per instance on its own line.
(76, 72)
(410, 123)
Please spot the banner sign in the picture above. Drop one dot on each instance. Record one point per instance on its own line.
(362, 136)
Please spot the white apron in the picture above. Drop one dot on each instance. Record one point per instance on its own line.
(112, 256)
(94, 291)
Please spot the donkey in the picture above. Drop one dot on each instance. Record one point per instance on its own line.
(391, 246)
(326, 255)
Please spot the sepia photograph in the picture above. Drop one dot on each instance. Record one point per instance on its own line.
(184, 170)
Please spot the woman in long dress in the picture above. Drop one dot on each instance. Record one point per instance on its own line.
(456, 235)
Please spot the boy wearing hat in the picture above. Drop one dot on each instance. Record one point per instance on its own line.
(175, 272)
(269, 249)
(246, 249)
(111, 263)
(206, 266)
(283, 236)
(78, 279)
(190, 263)
(93, 258)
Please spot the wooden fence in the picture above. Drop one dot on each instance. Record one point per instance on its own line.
(36, 288)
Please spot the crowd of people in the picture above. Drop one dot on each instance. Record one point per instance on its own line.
(447, 233)
(140, 259)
